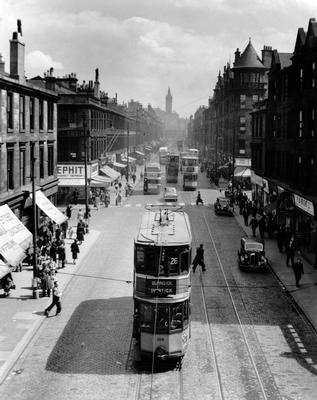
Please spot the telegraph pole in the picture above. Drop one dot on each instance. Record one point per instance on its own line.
(33, 177)
(128, 145)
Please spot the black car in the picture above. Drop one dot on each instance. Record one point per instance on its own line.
(223, 206)
(251, 255)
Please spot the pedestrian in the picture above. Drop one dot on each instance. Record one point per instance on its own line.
(70, 232)
(58, 232)
(69, 210)
(56, 300)
(133, 178)
(199, 258)
(80, 232)
(64, 227)
(61, 253)
(199, 199)
(253, 223)
(290, 251)
(298, 270)
(74, 248)
(262, 226)
(280, 238)
(245, 214)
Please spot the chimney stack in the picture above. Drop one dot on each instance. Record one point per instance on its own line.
(97, 84)
(267, 53)
(17, 50)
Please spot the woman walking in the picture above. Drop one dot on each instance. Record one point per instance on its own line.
(74, 248)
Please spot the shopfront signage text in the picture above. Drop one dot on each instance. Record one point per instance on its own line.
(304, 204)
(160, 288)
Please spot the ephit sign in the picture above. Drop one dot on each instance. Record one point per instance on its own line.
(76, 170)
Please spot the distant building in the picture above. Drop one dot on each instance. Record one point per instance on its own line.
(174, 127)
(28, 131)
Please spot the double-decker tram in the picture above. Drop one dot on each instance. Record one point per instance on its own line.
(190, 172)
(172, 168)
(163, 155)
(161, 291)
(152, 178)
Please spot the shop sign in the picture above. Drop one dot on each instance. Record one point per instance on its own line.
(242, 162)
(256, 179)
(76, 170)
(162, 287)
(304, 204)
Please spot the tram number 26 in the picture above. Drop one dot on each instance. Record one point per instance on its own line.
(173, 260)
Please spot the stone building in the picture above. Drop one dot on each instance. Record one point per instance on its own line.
(288, 167)
(28, 133)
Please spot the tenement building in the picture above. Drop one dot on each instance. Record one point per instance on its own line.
(284, 153)
(228, 121)
(28, 134)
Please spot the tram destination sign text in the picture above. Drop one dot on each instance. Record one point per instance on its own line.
(162, 287)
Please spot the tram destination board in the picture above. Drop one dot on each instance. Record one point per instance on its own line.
(163, 288)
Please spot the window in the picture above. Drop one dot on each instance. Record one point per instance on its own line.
(32, 111)
(50, 159)
(50, 116)
(41, 115)
(255, 98)
(300, 127)
(10, 110)
(41, 160)
(10, 168)
(242, 124)
(22, 165)
(243, 99)
(22, 113)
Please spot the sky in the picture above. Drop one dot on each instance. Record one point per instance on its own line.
(142, 47)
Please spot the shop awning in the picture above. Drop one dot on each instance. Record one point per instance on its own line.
(15, 238)
(71, 182)
(48, 208)
(242, 172)
(100, 181)
(111, 173)
(119, 165)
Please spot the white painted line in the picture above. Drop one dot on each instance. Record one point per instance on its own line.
(181, 204)
(138, 205)
(295, 335)
(309, 361)
(290, 326)
(127, 205)
(300, 345)
(303, 350)
(297, 340)
(192, 204)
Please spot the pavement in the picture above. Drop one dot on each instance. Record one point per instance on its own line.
(21, 316)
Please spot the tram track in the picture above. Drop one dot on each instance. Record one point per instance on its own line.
(248, 336)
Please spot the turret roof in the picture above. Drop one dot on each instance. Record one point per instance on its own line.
(249, 59)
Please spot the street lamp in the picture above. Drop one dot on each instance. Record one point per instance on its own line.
(85, 150)
(35, 271)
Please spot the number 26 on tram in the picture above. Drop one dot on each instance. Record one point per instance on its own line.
(162, 257)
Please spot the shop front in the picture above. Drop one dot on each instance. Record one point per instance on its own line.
(71, 187)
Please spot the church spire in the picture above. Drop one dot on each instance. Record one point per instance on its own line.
(168, 102)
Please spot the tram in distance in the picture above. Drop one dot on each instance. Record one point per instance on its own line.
(190, 171)
(172, 168)
(161, 284)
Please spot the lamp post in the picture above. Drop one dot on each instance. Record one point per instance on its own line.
(35, 272)
(85, 150)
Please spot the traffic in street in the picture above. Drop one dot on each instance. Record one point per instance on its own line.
(247, 338)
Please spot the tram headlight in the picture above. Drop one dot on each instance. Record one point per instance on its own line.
(161, 352)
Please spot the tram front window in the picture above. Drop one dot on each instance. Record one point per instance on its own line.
(162, 261)
(162, 319)
(177, 317)
(146, 316)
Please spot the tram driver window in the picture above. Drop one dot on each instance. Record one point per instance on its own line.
(146, 316)
(139, 258)
(162, 319)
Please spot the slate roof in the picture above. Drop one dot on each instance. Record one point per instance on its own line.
(249, 59)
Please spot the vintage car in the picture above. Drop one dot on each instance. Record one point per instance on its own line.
(170, 194)
(251, 255)
(223, 206)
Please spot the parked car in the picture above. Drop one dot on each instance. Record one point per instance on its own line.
(251, 255)
(170, 194)
(223, 206)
